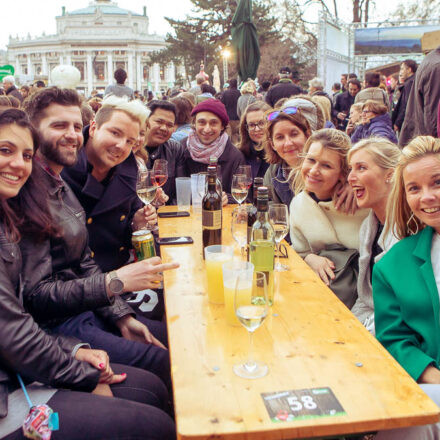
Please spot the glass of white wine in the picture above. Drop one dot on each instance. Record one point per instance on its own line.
(279, 218)
(145, 187)
(251, 306)
(239, 188)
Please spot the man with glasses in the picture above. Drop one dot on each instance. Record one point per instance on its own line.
(159, 145)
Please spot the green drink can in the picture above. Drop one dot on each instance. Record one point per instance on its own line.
(143, 244)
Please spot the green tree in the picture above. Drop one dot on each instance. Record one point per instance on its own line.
(207, 31)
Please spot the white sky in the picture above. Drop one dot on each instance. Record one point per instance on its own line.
(34, 17)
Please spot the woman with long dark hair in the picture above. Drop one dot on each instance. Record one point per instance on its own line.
(73, 380)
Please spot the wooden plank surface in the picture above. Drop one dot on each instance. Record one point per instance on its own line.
(309, 340)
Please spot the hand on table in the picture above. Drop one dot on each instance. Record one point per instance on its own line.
(321, 266)
(134, 330)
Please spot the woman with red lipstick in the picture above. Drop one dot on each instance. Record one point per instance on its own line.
(315, 223)
(406, 281)
(372, 163)
(74, 380)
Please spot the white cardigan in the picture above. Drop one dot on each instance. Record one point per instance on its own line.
(315, 225)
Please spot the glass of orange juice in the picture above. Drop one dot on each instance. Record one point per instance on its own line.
(215, 256)
(232, 283)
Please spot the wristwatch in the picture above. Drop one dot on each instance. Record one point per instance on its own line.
(115, 284)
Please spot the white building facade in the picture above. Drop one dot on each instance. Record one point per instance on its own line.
(97, 40)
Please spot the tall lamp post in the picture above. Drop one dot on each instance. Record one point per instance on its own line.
(226, 55)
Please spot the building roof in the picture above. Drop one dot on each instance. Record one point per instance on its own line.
(105, 7)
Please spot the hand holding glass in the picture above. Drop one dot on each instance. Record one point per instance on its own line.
(279, 218)
(251, 309)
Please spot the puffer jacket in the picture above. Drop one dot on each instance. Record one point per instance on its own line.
(27, 349)
(380, 126)
(62, 279)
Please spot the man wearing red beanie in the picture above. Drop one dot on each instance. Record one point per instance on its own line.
(208, 138)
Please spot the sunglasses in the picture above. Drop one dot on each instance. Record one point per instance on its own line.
(287, 111)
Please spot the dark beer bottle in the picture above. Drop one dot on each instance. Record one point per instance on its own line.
(212, 212)
(252, 213)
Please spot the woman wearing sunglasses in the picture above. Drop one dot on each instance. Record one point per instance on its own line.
(287, 131)
(75, 381)
(315, 223)
(252, 126)
(375, 122)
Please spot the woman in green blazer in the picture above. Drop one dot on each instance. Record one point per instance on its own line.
(406, 281)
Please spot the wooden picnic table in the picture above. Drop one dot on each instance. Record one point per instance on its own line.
(309, 340)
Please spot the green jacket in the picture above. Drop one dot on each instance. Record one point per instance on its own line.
(406, 303)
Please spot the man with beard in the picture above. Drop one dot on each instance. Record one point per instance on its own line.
(63, 283)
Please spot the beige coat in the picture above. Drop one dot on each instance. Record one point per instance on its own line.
(315, 225)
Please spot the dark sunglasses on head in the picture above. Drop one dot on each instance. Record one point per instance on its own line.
(287, 111)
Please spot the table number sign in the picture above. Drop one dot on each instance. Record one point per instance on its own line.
(287, 406)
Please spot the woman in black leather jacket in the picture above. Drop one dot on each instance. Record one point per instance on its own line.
(83, 377)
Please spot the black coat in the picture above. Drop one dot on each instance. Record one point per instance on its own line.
(27, 349)
(284, 89)
(61, 277)
(398, 115)
(172, 151)
(109, 208)
(230, 98)
(343, 103)
(230, 160)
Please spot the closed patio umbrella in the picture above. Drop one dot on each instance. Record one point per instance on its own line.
(245, 41)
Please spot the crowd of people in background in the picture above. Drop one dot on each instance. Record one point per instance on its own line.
(361, 210)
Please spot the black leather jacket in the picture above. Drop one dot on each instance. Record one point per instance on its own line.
(24, 347)
(62, 279)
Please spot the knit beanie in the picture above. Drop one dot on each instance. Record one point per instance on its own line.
(214, 106)
(307, 109)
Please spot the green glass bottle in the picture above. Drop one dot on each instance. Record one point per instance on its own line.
(262, 245)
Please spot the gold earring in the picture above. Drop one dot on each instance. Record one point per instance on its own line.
(409, 228)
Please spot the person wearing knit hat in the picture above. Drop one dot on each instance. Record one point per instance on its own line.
(208, 139)
(307, 109)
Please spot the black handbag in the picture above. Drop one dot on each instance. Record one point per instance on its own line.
(346, 271)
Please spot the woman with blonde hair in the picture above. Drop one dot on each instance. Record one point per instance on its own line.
(372, 163)
(248, 91)
(325, 105)
(406, 281)
(315, 223)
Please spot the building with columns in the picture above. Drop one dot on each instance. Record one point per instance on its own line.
(97, 40)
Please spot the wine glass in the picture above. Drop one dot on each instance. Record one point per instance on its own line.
(160, 172)
(247, 171)
(279, 218)
(251, 308)
(239, 188)
(145, 187)
(239, 226)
